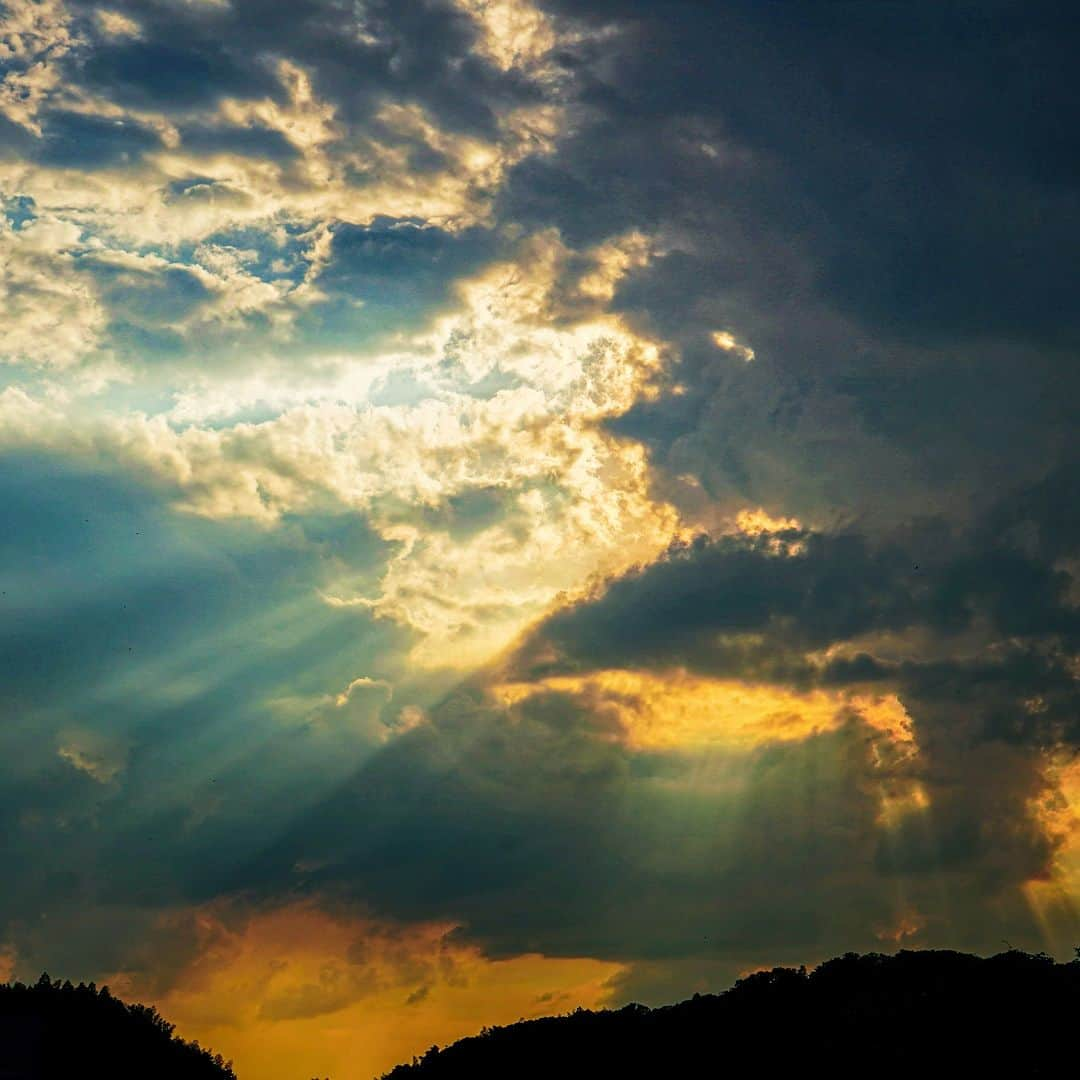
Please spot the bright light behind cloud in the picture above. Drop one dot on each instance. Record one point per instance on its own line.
(508, 505)
(678, 711)
(296, 990)
(501, 403)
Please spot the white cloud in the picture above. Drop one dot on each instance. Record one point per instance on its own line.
(34, 35)
(570, 500)
(512, 384)
(53, 315)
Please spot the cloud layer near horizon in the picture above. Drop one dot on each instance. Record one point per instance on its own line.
(580, 493)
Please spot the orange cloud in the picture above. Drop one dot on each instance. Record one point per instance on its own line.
(297, 992)
(8, 959)
(675, 710)
(1053, 899)
(755, 522)
(909, 924)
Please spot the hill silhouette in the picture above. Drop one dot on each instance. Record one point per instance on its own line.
(926, 1013)
(53, 1030)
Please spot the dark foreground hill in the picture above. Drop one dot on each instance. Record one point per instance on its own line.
(916, 1014)
(53, 1030)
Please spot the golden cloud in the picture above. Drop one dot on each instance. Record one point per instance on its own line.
(677, 710)
(1053, 898)
(297, 990)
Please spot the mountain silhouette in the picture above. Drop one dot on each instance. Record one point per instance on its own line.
(915, 1014)
(55, 1030)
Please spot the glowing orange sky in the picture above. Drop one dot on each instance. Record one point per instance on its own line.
(296, 992)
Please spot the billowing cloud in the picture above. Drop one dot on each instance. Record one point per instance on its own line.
(492, 406)
(514, 504)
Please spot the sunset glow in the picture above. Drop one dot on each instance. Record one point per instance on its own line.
(510, 505)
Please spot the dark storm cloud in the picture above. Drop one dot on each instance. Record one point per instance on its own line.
(539, 836)
(722, 606)
(540, 831)
(671, 613)
(924, 151)
(996, 601)
(879, 199)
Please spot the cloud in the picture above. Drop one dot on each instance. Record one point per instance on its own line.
(264, 983)
(93, 753)
(54, 314)
(359, 714)
(874, 324)
(676, 710)
(724, 339)
(358, 685)
(8, 959)
(347, 148)
(411, 346)
(507, 402)
(115, 24)
(729, 736)
(562, 826)
(34, 39)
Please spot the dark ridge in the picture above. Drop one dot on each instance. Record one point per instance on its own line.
(56, 1030)
(915, 1014)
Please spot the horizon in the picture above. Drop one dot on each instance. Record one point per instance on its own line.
(517, 505)
(937, 995)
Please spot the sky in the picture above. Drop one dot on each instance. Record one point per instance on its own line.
(515, 504)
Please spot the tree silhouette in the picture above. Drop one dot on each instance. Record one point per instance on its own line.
(54, 1029)
(927, 1014)
(932, 1014)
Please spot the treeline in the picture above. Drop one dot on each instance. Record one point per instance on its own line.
(931, 1014)
(925, 1014)
(54, 1029)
